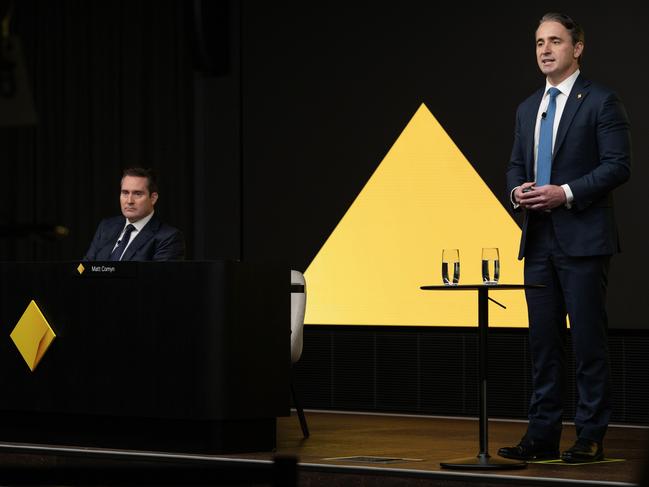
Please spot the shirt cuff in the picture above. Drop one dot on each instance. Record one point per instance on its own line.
(511, 198)
(569, 196)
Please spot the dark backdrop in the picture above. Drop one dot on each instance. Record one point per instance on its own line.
(111, 81)
(329, 88)
(261, 156)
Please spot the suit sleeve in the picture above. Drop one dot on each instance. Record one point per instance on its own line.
(516, 173)
(171, 247)
(614, 152)
(91, 253)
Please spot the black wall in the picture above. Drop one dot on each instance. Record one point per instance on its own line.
(112, 85)
(434, 370)
(262, 157)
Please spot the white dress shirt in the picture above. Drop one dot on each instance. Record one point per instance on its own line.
(565, 87)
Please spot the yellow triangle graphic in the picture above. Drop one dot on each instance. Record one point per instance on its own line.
(423, 197)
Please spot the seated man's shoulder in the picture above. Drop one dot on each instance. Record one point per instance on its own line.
(160, 228)
(112, 221)
(168, 229)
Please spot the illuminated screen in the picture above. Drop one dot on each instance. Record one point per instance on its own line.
(423, 197)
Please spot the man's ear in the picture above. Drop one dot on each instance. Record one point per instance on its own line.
(154, 198)
(578, 49)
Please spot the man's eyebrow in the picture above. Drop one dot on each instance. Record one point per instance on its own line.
(551, 38)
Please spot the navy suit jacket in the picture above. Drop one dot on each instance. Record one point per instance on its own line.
(592, 154)
(156, 241)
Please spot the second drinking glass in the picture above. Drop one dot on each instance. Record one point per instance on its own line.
(490, 266)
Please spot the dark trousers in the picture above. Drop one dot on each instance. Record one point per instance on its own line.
(576, 286)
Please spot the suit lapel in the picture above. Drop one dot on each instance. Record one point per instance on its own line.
(577, 96)
(143, 236)
(529, 128)
(114, 231)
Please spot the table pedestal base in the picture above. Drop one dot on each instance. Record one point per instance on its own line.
(483, 461)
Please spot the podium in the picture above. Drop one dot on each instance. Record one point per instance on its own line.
(175, 356)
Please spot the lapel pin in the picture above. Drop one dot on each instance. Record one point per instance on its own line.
(578, 96)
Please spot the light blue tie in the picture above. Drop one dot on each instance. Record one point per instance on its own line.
(544, 157)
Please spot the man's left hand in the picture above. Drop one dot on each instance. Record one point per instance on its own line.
(542, 198)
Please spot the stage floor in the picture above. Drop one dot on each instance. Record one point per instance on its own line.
(415, 444)
(427, 441)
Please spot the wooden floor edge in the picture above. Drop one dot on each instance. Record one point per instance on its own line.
(461, 418)
(455, 475)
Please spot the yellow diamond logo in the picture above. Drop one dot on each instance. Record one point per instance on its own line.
(32, 335)
(80, 269)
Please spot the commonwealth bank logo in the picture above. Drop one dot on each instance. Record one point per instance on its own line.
(423, 197)
(32, 335)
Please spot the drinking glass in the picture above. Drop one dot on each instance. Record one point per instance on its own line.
(490, 266)
(450, 260)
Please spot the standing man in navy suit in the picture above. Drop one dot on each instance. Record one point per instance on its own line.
(138, 234)
(572, 148)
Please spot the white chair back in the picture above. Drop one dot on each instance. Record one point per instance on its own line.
(298, 308)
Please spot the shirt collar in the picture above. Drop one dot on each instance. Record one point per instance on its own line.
(141, 223)
(565, 86)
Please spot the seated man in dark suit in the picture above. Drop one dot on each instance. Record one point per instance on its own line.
(138, 234)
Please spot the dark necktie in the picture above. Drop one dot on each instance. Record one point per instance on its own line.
(544, 157)
(123, 242)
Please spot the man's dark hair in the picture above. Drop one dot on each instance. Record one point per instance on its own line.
(140, 172)
(576, 32)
